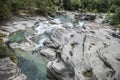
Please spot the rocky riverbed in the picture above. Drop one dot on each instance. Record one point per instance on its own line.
(10, 71)
(66, 47)
(83, 54)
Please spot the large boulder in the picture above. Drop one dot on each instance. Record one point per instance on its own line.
(10, 71)
(84, 54)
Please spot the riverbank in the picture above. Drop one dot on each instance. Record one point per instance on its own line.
(30, 35)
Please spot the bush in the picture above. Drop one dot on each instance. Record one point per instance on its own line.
(118, 26)
(115, 19)
(45, 7)
(5, 10)
(76, 4)
(67, 4)
(71, 4)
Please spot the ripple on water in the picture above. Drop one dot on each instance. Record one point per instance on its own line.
(32, 65)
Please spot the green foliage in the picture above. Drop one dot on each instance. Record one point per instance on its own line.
(19, 6)
(5, 10)
(115, 19)
(76, 4)
(71, 4)
(95, 11)
(91, 5)
(100, 5)
(9, 7)
(22, 4)
(45, 7)
(117, 26)
(67, 4)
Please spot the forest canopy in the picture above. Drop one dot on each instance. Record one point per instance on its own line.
(46, 7)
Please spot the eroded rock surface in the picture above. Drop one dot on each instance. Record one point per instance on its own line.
(10, 71)
(84, 53)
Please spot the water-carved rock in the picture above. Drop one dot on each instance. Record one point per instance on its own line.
(10, 71)
(85, 54)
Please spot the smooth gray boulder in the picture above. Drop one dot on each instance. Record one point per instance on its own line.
(90, 53)
(10, 71)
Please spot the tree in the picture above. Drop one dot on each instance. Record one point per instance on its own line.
(45, 7)
(67, 4)
(71, 4)
(116, 17)
(5, 9)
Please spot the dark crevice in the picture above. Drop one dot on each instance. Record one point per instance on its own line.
(106, 63)
(92, 44)
(107, 37)
(88, 73)
(73, 45)
(83, 46)
(71, 53)
(90, 47)
(115, 35)
(117, 59)
(105, 45)
(112, 73)
(92, 32)
(72, 35)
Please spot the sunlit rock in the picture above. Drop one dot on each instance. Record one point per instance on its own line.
(10, 71)
(85, 54)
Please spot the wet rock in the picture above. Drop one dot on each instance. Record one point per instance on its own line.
(4, 32)
(55, 21)
(68, 25)
(77, 15)
(43, 19)
(21, 39)
(87, 16)
(50, 18)
(80, 24)
(10, 71)
(100, 18)
(61, 12)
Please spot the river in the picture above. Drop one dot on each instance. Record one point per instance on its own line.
(31, 63)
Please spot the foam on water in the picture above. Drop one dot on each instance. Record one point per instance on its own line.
(43, 28)
(33, 65)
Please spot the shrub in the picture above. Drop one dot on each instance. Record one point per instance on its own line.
(118, 26)
(115, 19)
(45, 7)
(76, 4)
(5, 10)
(71, 4)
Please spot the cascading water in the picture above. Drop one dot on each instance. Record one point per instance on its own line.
(31, 63)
